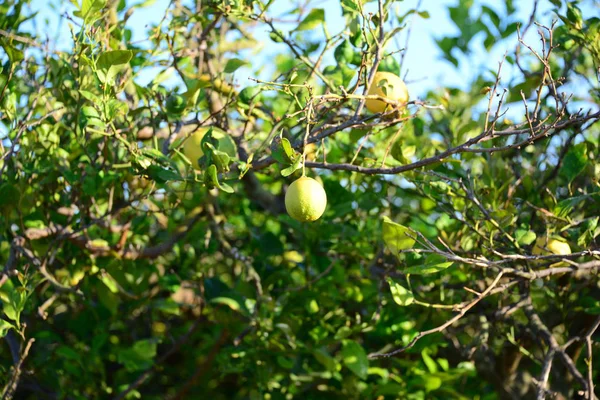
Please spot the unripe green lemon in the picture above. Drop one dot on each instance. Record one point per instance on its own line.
(192, 148)
(248, 94)
(305, 199)
(176, 103)
(387, 85)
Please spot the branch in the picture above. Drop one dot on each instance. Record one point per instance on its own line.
(13, 381)
(541, 132)
(542, 329)
(146, 374)
(446, 324)
(127, 253)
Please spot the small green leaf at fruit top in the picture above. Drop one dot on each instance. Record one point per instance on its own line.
(296, 165)
(397, 237)
(283, 152)
(401, 295)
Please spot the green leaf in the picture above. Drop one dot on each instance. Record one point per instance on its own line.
(574, 15)
(355, 359)
(315, 17)
(433, 263)
(114, 58)
(292, 168)
(227, 301)
(350, 6)
(284, 153)
(212, 179)
(525, 237)
(400, 294)
(429, 362)
(68, 353)
(431, 382)
(11, 312)
(90, 96)
(564, 207)
(168, 306)
(574, 162)
(220, 158)
(110, 63)
(90, 10)
(343, 333)
(325, 359)
(161, 174)
(91, 117)
(14, 55)
(233, 64)
(110, 282)
(4, 327)
(138, 357)
(396, 236)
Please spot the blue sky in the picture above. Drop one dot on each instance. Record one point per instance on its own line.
(426, 68)
(423, 60)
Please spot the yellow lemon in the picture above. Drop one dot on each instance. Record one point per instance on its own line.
(387, 85)
(192, 145)
(305, 199)
(556, 245)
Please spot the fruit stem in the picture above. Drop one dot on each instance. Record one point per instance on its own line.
(308, 116)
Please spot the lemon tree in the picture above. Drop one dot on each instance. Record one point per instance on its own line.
(160, 237)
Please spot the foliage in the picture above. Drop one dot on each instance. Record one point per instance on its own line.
(130, 274)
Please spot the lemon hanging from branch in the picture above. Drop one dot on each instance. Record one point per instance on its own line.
(192, 144)
(305, 199)
(391, 87)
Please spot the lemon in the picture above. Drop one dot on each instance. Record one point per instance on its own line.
(387, 85)
(555, 245)
(176, 103)
(192, 148)
(305, 199)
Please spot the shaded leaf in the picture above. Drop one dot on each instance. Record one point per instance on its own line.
(396, 236)
(400, 294)
(574, 162)
(138, 357)
(433, 263)
(355, 359)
